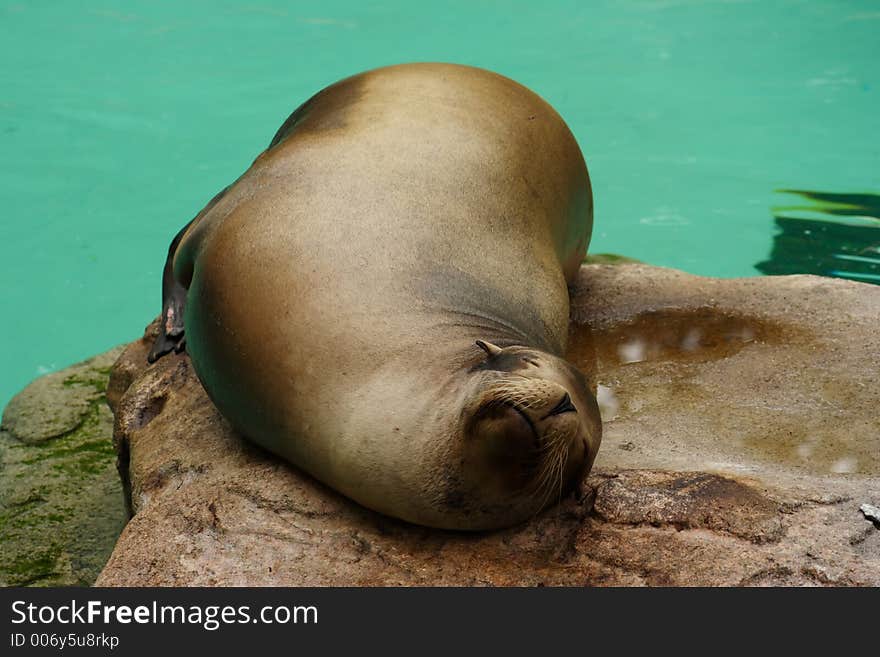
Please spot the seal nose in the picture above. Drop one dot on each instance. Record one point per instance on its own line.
(564, 406)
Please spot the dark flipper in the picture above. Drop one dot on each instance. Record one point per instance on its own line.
(173, 303)
(171, 329)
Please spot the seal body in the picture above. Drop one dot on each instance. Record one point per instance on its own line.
(334, 296)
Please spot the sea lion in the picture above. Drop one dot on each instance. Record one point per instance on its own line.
(381, 298)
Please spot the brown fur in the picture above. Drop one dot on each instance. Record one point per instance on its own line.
(336, 290)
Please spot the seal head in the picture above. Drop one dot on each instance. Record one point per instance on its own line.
(530, 431)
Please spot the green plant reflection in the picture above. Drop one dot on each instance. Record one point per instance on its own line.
(836, 235)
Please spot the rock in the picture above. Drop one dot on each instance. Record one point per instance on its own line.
(61, 504)
(689, 500)
(742, 427)
(58, 403)
(871, 513)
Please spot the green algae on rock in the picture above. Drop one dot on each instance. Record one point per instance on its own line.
(608, 259)
(61, 503)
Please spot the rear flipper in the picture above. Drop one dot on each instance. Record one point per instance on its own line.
(170, 336)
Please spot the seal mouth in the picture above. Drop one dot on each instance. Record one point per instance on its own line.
(564, 406)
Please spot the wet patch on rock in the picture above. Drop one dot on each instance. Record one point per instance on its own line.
(766, 377)
(675, 334)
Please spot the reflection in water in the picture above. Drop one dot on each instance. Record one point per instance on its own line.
(845, 465)
(852, 205)
(844, 243)
(607, 401)
(632, 352)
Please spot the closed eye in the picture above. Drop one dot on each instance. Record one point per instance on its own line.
(530, 362)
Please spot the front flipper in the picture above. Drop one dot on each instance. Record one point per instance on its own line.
(170, 336)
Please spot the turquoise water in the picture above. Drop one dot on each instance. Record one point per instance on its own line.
(119, 120)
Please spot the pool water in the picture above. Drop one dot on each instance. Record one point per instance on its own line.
(119, 120)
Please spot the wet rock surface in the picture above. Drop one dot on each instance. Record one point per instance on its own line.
(61, 503)
(741, 440)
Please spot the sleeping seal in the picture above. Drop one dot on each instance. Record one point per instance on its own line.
(381, 298)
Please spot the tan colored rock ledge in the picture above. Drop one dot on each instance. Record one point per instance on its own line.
(741, 438)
